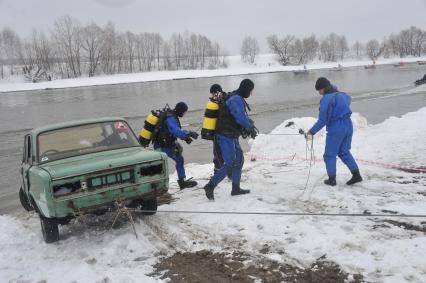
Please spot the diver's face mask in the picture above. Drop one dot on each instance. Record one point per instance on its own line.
(247, 94)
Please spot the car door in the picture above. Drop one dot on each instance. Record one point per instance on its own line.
(26, 163)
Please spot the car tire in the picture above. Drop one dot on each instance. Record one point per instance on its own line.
(24, 200)
(49, 229)
(151, 205)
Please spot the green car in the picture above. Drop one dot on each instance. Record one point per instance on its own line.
(88, 167)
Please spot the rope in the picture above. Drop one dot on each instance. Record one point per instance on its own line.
(282, 134)
(286, 213)
(311, 159)
(408, 168)
(311, 162)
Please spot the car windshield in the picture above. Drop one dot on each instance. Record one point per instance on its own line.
(84, 139)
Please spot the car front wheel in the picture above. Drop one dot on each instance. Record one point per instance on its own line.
(24, 200)
(49, 229)
(150, 205)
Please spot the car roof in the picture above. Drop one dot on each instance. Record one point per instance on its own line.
(51, 127)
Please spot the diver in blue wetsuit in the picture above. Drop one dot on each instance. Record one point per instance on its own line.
(232, 121)
(335, 114)
(167, 142)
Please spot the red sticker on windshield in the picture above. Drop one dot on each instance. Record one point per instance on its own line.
(120, 126)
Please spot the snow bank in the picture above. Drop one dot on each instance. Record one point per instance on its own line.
(381, 251)
(265, 63)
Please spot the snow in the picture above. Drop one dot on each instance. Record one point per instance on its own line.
(380, 251)
(265, 63)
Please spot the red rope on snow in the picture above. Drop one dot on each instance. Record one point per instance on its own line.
(413, 169)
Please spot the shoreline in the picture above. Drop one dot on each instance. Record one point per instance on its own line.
(156, 76)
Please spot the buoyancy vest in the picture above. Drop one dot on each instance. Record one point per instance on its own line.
(226, 124)
(164, 138)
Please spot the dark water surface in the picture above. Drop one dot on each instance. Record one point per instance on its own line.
(377, 94)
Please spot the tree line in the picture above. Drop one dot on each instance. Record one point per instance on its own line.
(71, 50)
(291, 50)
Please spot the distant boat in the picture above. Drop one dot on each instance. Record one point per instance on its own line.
(338, 68)
(370, 67)
(301, 72)
(399, 64)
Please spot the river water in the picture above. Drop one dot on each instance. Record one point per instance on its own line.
(377, 94)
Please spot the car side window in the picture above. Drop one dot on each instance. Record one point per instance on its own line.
(28, 149)
(24, 151)
(30, 152)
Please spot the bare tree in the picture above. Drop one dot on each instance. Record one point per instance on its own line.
(37, 57)
(396, 45)
(167, 64)
(358, 50)
(374, 49)
(192, 49)
(330, 47)
(249, 49)
(130, 48)
(158, 42)
(109, 49)
(280, 47)
(311, 46)
(66, 33)
(342, 45)
(419, 41)
(205, 47)
(297, 54)
(121, 56)
(303, 50)
(12, 47)
(176, 43)
(93, 39)
(2, 57)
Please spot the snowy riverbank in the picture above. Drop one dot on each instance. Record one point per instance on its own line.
(264, 64)
(381, 249)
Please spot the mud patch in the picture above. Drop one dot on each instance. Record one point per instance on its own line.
(407, 226)
(205, 266)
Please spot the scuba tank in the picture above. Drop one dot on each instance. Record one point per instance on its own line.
(210, 119)
(146, 133)
(152, 125)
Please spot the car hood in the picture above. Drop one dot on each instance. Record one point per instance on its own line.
(80, 165)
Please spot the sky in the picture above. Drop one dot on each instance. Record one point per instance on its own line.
(225, 21)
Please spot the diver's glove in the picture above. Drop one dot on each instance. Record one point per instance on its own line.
(193, 135)
(253, 132)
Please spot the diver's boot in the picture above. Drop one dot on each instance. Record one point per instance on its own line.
(331, 181)
(356, 178)
(183, 184)
(236, 190)
(209, 188)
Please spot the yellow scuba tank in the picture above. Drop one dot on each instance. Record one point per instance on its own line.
(210, 119)
(152, 125)
(147, 132)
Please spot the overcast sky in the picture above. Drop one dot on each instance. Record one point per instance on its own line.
(225, 21)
